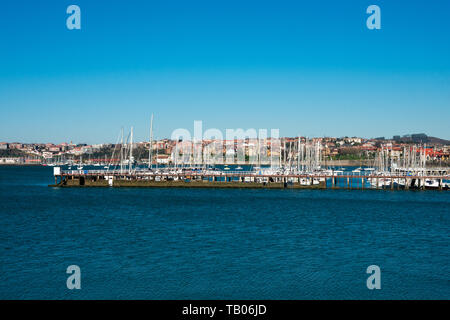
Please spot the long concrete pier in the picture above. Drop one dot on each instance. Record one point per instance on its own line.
(244, 179)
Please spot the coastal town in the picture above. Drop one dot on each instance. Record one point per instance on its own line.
(335, 151)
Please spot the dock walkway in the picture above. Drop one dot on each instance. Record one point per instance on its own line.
(244, 179)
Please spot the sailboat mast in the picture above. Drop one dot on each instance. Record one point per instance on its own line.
(281, 141)
(156, 156)
(130, 160)
(290, 156)
(151, 144)
(121, 153)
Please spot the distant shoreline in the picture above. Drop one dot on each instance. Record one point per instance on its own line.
(20, 165)
(334, 163)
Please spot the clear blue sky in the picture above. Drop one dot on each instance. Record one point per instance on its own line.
(305, 67)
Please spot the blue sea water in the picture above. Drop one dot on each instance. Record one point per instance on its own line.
(219, 244)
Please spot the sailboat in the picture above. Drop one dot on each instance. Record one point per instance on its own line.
(80, 166)
(105, 163)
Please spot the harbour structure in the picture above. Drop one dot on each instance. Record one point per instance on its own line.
(191, 177)
(413, 163)
(298, 166)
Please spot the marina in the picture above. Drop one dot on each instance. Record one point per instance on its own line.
(298, 164)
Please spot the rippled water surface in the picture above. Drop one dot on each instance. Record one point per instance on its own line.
(219, 244)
